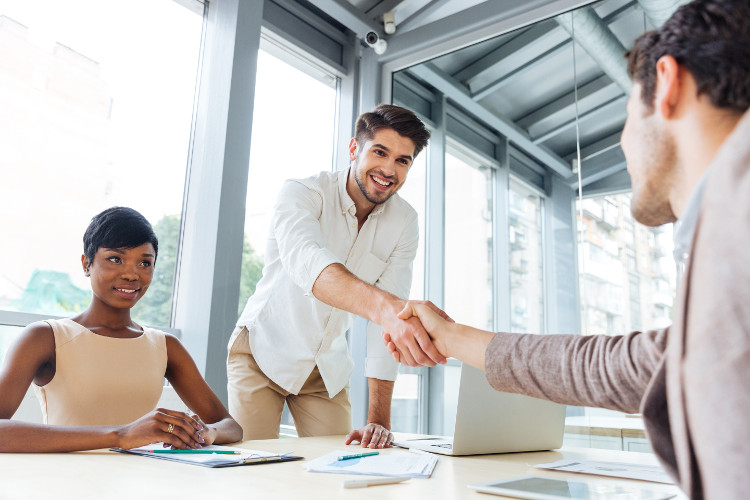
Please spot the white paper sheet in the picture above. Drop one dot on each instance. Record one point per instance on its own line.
(403, 465)
(653, 473)
(209, 457)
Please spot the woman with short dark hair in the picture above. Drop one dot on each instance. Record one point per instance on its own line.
(99, 375)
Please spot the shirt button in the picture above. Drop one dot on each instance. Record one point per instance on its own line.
(328, 334)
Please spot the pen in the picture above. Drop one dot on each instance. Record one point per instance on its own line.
(357, 455)
(364, 483)
(206, 452)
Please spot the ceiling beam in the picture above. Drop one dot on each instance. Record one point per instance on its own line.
(517, 43)
(458, 94)
(596, 148)
(564, 102)
(382, 7)
(469, 26)
(496, 84)
(619, 101)
(413, 19)
(348, 15)
(595, 172)
(544, 56)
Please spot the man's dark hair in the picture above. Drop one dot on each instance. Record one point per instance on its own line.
(118, 227)
(401, 120)
(711, 38)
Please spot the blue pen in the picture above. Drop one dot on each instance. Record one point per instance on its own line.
(357, 455)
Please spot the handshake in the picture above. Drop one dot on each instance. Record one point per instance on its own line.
(419, 335)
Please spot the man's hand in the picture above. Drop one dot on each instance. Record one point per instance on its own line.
(411, 344)
(372, 435)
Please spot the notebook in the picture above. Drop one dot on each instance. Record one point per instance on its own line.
(242, 456)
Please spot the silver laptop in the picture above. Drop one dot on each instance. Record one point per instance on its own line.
(488, 421)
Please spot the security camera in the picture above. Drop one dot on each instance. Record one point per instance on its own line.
(371, 38)
(378, 44)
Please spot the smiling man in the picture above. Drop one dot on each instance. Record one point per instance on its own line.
(340, 243)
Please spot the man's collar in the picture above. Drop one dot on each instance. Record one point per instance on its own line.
(347, 204)
(685, 226)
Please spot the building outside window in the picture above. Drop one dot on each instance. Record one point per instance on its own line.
(468, 242)
(284, 144)
(629, 273)
(526, 263)
(93, 117)
(628, 283)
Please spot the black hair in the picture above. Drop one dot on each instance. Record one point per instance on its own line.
(711, 38)
(402, 120)
(118, 227)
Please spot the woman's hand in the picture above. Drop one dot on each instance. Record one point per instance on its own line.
(208, 433)
(174, 428)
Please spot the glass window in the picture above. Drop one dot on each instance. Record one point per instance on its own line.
(468, 263)
(405, 415)
(284, 146)
(97, 107)
(468, 243)
(526, 263)
(628, 282)
(8, 335)
(617, 295)
(414, 192)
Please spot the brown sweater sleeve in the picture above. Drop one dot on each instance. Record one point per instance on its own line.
(595, 370)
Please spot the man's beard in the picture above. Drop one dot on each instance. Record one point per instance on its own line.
(362, 187)
(650, 204)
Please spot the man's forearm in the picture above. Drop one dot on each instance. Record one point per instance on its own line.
(380, 394)
(338, 287)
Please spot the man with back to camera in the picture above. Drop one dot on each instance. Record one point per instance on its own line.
(687, 146)
(339, 243)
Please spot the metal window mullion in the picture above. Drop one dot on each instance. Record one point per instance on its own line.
(500, 242)
(435, 260)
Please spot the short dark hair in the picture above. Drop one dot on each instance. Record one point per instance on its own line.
(402, 120)
(118, 227)
(711, 38)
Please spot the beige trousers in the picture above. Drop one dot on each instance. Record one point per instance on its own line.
(256, 402)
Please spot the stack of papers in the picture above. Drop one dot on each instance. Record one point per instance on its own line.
(652, 473)
(401, 465)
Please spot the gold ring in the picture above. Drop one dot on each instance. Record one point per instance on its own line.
(170, 428)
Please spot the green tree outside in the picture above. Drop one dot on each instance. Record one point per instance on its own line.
(155, 307)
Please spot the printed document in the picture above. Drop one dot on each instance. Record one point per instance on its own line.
(653, 473)
(402, 464)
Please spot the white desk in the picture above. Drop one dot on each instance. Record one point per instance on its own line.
(107, 475)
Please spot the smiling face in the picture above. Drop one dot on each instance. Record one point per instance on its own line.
(120, 276)
(380, 165)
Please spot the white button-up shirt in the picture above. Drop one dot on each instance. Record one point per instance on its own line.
(313, 226)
